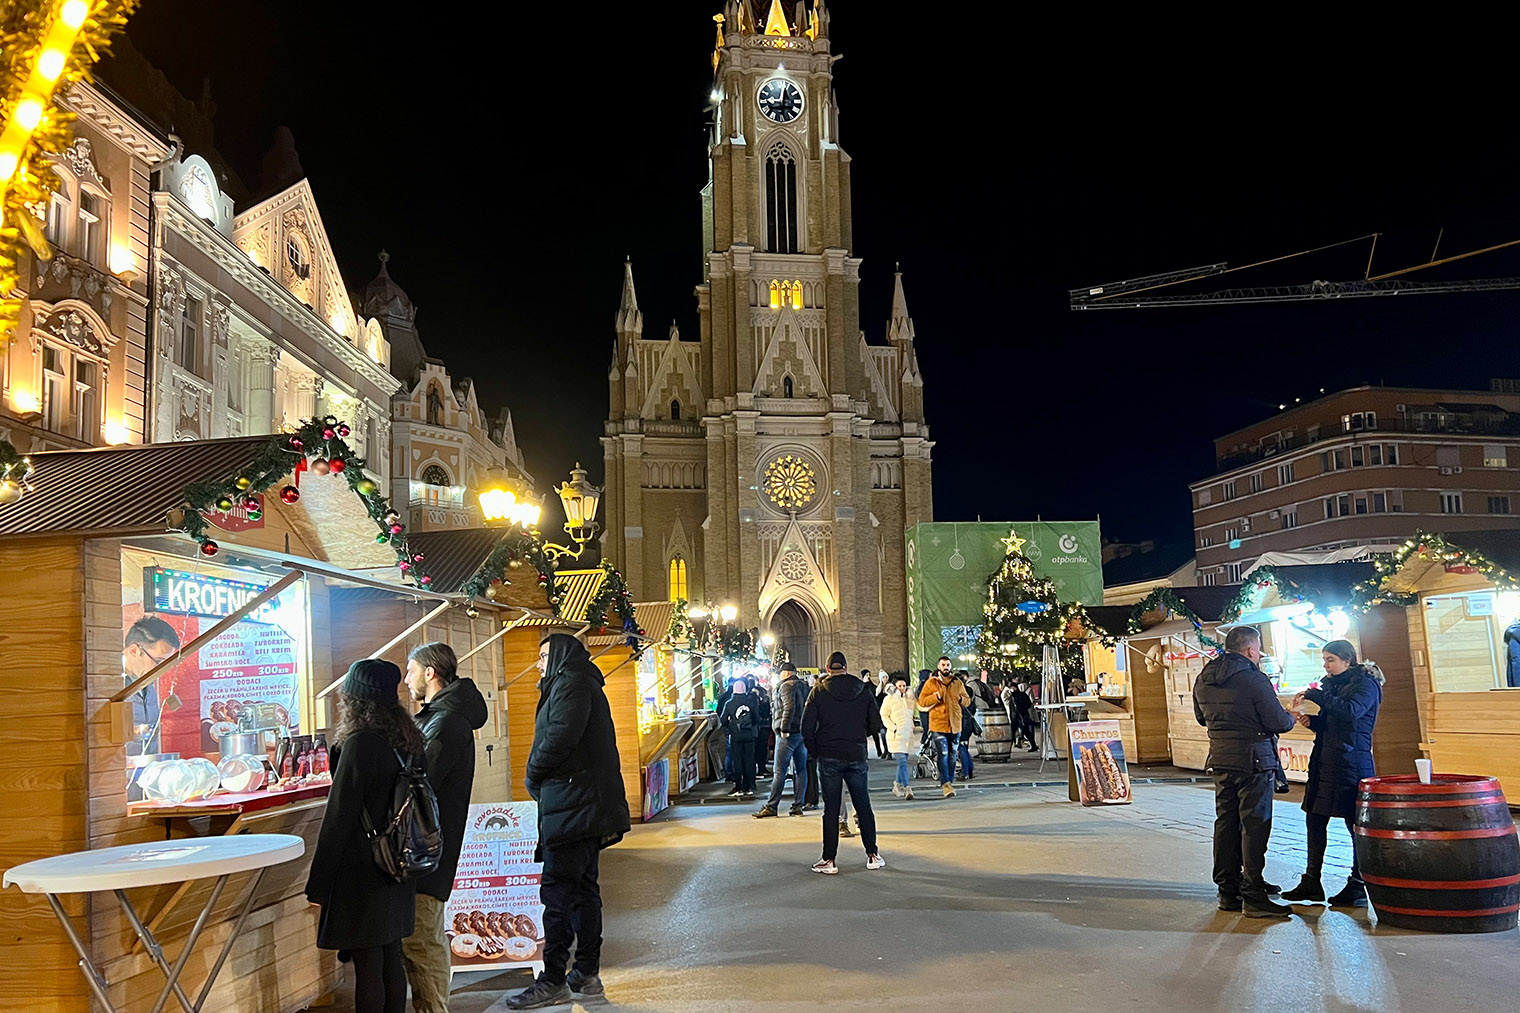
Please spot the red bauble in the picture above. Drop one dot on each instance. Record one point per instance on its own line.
(210, 548)
(417, 558)
(404, 565)
(295, 441)
(426, 579)
(320, 466)
(543, 578)
(337, 466)
(328, 434)
(396, 529)
(344, 430)
(290, 494)
(251, 503)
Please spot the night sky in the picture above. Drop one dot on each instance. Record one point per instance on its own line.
(508, 172)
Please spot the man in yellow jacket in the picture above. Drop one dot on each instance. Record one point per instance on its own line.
(943, 696)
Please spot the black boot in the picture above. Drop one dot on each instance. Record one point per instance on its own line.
(1308, 889)
(1353, 894)
(1259, 905)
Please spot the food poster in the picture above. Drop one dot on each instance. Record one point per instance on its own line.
(256, 662)
(1097, 763)
(494, 917)
(1293, 754)
(656, 787)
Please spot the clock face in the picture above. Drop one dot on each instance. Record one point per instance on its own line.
(780, 100)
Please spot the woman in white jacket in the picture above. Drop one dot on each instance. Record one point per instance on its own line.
(897, 714)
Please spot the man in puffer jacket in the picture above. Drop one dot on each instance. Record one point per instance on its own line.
(1236, 702)
(839, 717)
(787, 702)
(944, 697)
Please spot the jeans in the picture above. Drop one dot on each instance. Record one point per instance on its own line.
(965, 747)
(810, 797)
(789, 750)
(728, 757)
(572, 908)
(426, 955)
(1319, 836)
(744, 764)
(834, 775)
(1242, 825)
(946, 741)
(902, 768)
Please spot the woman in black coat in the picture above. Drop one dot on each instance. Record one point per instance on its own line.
(1348, 702)
(364, 911)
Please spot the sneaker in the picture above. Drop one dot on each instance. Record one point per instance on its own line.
(811, 807)
(1262, 906)
(948, 790)
(540, 994)
(749, 794)
(844, 829)
(736, 793)
(897, 790)
(585, 986)
(875, 862)
(1307, 890)
(795, 810)
(766, 811)
(908, 792)
(825, 866)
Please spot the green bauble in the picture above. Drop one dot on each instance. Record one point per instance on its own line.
(365, 487)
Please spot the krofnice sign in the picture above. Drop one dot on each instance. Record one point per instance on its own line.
(948, 564)
(194, 594)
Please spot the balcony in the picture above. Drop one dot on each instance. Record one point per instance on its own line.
(1431, 423)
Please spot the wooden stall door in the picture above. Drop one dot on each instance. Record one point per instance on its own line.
(42, 764)
(1384, 636)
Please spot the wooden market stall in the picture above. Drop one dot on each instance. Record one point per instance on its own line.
(1134, 694)
(90, 551)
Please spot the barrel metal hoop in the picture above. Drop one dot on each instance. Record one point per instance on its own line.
(1420, 912)
(1437, 803)
(1435, 835)
(1441, 884)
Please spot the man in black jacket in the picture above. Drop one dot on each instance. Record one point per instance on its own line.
(786, 720)
(740, 719)
(575, 775)
(452, 708)
(1236, 702)
(839, 717)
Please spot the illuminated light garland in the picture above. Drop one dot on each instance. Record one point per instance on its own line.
(1436, 549)
(45, 46)
(1166, 599)
(15, 474)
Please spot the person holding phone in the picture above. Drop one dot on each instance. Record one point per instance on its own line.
(1348, 701)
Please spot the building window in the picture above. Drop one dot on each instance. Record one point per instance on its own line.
(1204, 541)
(92, 227)
(1375, 454)
(1498, 504)
(1284, 474)
(781, 201)
(1451, 502)
(1391, 452)
(434, 474)
(1361, 504)
(1289, 519)
(1495, 457)
(1229, 490)
(1231, 534)
(1395, 501)
(675, 411)
(1232, 572)
(678, 579)
(187, 352)
(58, 216)
(1205, 497)
(434, 407)
(54, 389)
(786, 386)
(1357, 421)
(296, 257)
(1256, 482)
(1356, 457)
(86, 401)
(235, 382)
(1208, 579)
(1379, 503)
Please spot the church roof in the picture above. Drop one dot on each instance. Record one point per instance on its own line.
(383, 297)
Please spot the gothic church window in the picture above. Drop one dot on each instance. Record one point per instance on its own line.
(677, 578)
(786, 386)
(781, 201)
(675, 411)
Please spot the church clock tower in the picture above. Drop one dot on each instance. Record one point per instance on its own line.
(774, 464)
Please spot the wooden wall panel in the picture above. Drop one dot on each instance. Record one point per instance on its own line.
(1383, 636)
(1147, 702)
(42, 762)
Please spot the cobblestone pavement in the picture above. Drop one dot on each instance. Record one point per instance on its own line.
(1008, 898)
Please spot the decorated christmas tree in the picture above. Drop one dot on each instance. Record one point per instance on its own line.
(1023, 616)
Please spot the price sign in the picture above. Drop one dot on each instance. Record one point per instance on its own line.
(494, 917)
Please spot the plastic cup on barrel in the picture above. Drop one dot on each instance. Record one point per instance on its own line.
(1422, 767)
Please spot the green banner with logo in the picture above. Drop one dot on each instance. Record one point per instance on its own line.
(948, 567)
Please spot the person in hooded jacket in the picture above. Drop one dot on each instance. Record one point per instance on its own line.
(452, 709)
(788, 700)
(365, 912)
(839, 717)
(1236, 702)
(1348, 701)
(740, 719)
(575, 775)
(897, 716)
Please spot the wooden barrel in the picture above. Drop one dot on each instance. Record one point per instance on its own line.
(1440, 857)
(995, 744)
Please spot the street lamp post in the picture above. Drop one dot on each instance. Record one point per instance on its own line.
(578, 497)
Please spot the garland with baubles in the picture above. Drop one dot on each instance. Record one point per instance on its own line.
(15, 474)
(1166, 598)
(316, 447)
(1428, 546)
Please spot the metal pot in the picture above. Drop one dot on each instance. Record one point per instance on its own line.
(240, 743)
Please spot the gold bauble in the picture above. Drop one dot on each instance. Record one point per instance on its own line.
(10, 491)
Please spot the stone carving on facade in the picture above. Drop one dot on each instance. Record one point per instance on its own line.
(221, 319)
(794, 566)
(74, 327)
(80, 157)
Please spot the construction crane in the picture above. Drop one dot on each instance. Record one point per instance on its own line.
(1139, 293)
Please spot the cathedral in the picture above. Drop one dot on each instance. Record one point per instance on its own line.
(775, 463)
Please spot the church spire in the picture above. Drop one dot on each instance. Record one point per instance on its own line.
(630, 322)
(900, 327)
(775, 22)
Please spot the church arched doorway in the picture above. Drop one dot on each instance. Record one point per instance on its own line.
(793, 630)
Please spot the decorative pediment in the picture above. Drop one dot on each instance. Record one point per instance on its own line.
(787, 354)
(674, 378)
(80, 158)
(796, 569)
(286, 237)
(74, 328)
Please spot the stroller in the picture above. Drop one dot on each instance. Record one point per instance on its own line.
(926, 761)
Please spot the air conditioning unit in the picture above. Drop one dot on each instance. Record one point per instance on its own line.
(1401, 408)
(1456, 469)
(1446, 470)
(1275, 513)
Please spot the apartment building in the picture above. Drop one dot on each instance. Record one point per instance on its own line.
(1365, 466)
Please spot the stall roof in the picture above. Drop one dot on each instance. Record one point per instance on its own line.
(652, 616)
(121, 490)
(1208, 603)
(1111, 619)
(1326, 583)
(452, 557)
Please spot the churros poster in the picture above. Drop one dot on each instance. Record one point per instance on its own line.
(494, 918)
(1097, 759)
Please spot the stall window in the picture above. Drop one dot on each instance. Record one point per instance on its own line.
(1293, 650)
(1464, 638)
(678, 587)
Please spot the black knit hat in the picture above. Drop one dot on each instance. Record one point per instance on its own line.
(372, 679)
(836, 661)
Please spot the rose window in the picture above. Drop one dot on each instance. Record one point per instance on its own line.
(790, 482)
(794, 565)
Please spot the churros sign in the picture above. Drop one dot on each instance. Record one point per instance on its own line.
(1097, 763)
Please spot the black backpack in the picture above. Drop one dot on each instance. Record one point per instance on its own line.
(743, 721)
(411, 843)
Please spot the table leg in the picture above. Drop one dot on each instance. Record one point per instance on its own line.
(195, 933)
(237, 926)
(152, 946)
(86, 966)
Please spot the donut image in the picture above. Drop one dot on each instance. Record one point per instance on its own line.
(525, 926)
(461, 922)
(281, 715)
(521, 947)
(218, 712)
(491, 948)
(231, 709)
(478, 923)
(465, 944)
(493, 924)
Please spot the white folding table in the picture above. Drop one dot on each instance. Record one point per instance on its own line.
(122, 868)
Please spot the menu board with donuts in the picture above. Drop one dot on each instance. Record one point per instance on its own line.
(494, 917)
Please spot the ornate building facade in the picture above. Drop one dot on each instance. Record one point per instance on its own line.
(253, 327)
(445, 449)
(775, 463)
(73, 375)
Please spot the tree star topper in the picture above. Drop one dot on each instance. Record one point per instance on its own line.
(1013, 543)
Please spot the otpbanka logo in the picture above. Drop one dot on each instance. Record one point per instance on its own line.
(1071, 549)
